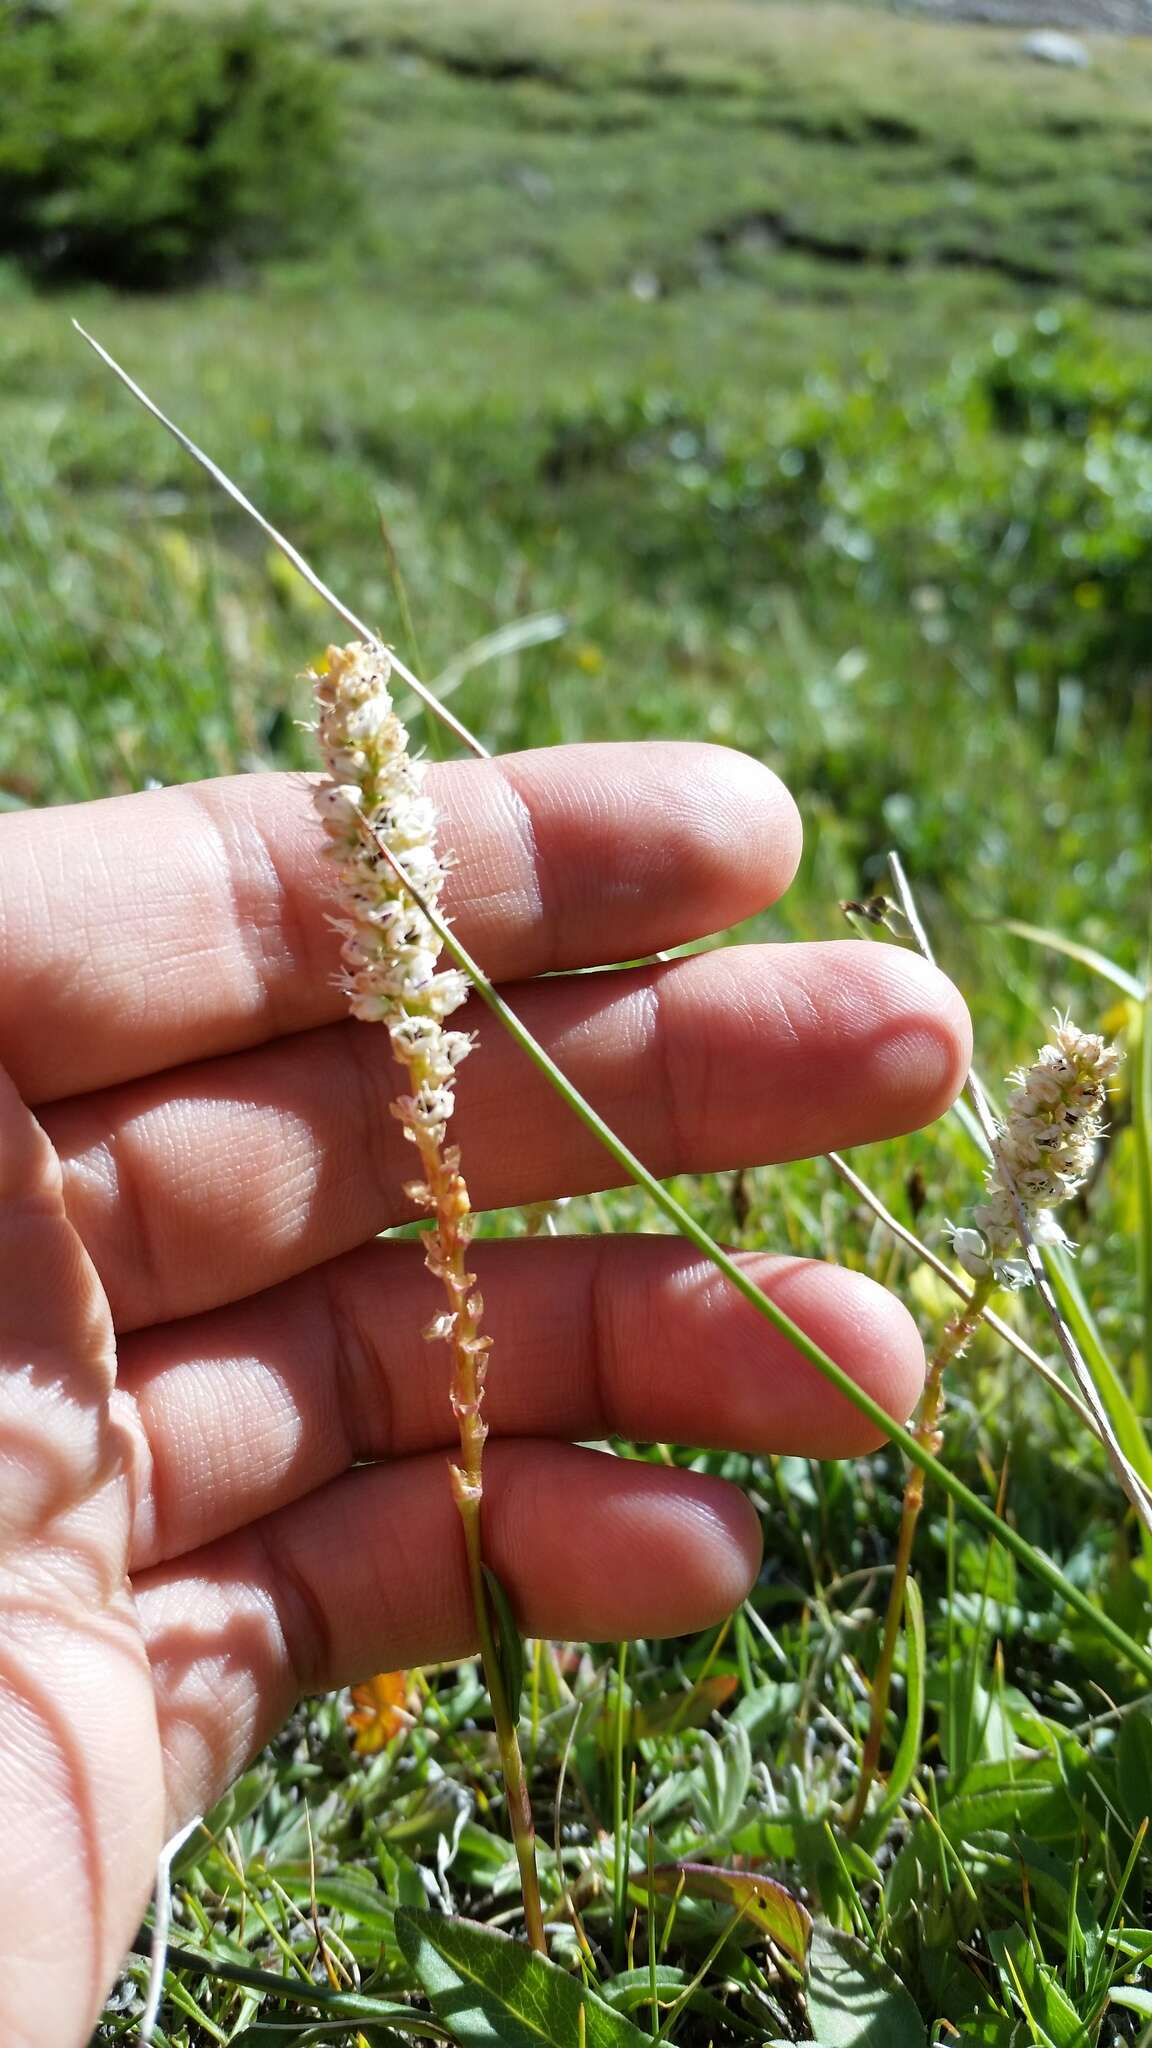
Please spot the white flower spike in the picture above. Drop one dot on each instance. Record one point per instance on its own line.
(1044, 1150)
(390, 952)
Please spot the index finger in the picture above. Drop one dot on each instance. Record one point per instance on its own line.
(144, 931)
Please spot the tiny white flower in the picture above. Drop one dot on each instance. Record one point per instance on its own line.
(971, 1250)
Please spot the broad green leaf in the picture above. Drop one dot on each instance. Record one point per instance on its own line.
(764, 1904)
(1027, 1796)
(854, 2000)
(996, 2030)
(630, 1990)
(492, 1990)
(1134, 1767)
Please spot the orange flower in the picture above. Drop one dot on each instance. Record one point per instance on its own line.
(379, 1711)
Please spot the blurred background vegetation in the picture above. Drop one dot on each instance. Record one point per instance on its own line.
(786, 365)
(795, 354)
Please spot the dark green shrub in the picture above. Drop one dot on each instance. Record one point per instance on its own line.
(143, 148)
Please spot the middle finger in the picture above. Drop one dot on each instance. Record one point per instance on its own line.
(205, 1185)
(238, 1412)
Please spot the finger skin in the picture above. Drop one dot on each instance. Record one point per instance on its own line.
(200, 1188)
(240, 1411)
(368, 1574)
(145, 931)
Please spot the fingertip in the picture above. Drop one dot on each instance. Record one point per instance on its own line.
(898, 1038)
(929, 1050)
(757, 835)
(638, 1551)
(867, 1331)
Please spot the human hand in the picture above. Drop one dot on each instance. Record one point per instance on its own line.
(186, 1545)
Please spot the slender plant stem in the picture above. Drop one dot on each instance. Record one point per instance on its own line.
(446, 1195)
(507, 1741)
(622, 1840)
(927, 1431)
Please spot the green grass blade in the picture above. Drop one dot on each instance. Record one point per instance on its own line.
(350, 2005)
(1106, 1377)
(1099, 963)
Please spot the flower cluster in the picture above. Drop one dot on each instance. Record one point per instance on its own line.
(1043, 1151)
(391, 950)
(391, 975)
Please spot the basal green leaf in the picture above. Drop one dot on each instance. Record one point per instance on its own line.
(854, 2000)
(495, 1993)
(764, 1904)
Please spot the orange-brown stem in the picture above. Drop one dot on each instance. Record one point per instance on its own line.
(445, 1194)
(953, 1342)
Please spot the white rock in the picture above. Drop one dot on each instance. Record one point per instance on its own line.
(1052, 46)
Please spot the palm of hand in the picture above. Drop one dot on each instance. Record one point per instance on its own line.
(80, 1747)
(252, 1503)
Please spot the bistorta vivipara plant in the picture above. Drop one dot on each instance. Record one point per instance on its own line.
(381, 828)
(1042, 1153)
